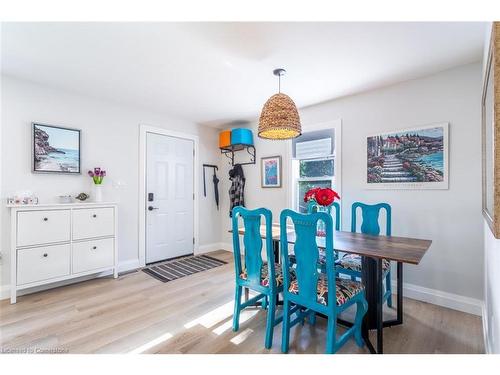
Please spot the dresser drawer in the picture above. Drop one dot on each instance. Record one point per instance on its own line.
(93, 222)
(42, 227)
(43, 263)
(92, 255)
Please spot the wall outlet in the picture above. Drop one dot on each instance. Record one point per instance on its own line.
(118, 184)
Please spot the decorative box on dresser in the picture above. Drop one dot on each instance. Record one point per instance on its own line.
(56, 242)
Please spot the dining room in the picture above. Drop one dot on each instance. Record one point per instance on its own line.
(339, 158)
(282, 188)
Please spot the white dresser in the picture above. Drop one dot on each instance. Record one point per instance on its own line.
(56, 242)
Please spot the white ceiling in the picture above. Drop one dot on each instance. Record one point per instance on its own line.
(219, 72)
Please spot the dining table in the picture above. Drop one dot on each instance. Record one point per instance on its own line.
(372, 249)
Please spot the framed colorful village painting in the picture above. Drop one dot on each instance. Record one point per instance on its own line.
(408, 159)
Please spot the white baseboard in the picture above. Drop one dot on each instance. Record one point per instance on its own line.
(487, 346)
(122, 267)
(4, 291)
(440, 298)
(226, 246)
(202, 249)
(128, 265)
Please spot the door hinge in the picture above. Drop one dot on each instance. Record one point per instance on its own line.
(193, 196)
(193, 240)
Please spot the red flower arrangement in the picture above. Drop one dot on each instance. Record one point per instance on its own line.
(324, 197)
(311, 194)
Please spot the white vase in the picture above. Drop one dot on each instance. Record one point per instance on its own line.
(97, 193)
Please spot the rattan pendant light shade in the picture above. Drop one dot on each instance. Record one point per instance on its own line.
(279, 118)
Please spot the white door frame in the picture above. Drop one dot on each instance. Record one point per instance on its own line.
(334, 124)
(143, 130)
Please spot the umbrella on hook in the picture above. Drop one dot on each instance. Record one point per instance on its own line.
(215, 181)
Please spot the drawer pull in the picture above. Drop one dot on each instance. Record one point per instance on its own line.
(45, 255)
(94, 247)
(45, 219)
(94, 215)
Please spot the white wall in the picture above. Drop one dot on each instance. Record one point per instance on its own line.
(451, 271)
(110, 139)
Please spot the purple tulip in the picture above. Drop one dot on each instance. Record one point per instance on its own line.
(97, 175)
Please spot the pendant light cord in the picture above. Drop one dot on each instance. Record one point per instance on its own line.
(279, 84)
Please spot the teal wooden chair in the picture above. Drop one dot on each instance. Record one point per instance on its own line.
(263, 277)
(307, 291)
(350, 264)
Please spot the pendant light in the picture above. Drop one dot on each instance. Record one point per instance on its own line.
(279, 118)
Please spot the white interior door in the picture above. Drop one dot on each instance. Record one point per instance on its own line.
(169, 197)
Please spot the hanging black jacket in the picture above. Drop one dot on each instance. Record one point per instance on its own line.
(236, 192)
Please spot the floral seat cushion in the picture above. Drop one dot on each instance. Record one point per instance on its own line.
(264, 274)
(353, 262)
(346, 289)
(321, 257)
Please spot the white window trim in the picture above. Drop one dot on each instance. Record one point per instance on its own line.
(305, 179)
(292, 190)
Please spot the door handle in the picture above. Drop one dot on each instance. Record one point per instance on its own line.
(151, 208)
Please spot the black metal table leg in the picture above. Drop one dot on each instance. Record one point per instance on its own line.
(276, 251)
(368, 343)
(365, 333)
(344, 322)
(380, 312)
(400, 293)
(372, 278)
(399, 312)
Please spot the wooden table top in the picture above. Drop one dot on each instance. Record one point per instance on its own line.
(398, 249)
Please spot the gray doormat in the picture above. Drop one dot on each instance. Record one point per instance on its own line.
(177, 268)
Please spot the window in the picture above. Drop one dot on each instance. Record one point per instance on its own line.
(313, 164)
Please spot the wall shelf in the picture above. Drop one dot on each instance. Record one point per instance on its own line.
(229, 151)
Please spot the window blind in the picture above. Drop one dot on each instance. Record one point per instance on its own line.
(313, 149)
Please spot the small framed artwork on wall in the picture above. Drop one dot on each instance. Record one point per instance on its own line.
(270, 168)
(55, 149)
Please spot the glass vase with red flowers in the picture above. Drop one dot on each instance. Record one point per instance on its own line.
(320, 200)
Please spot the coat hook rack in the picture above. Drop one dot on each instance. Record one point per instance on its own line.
(230, 150)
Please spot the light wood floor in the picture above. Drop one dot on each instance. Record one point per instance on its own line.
(137, 313)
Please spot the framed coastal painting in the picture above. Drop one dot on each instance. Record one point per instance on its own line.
(408, 159)
(55, 149)
(270, 172)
